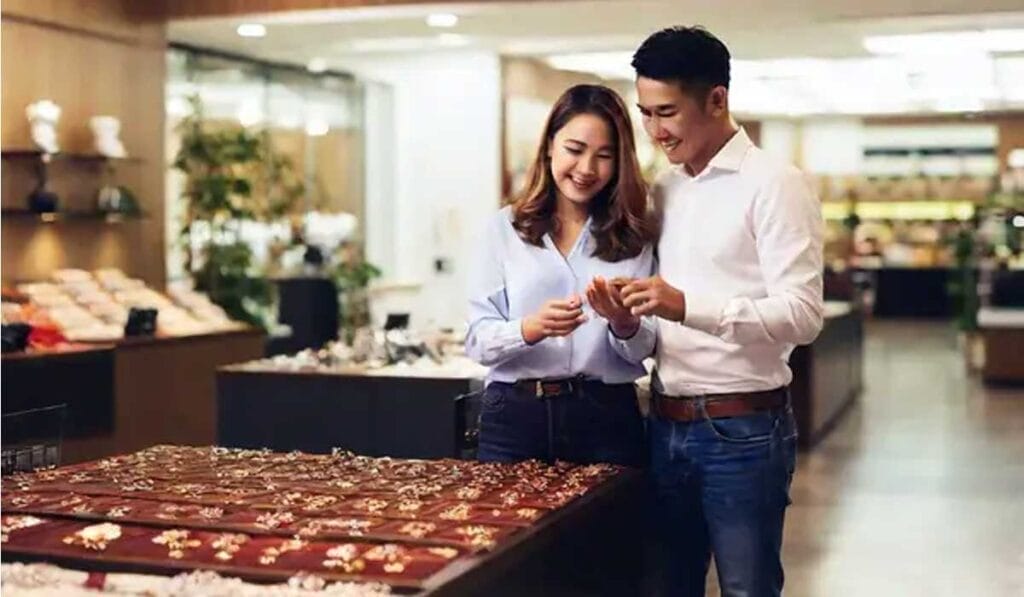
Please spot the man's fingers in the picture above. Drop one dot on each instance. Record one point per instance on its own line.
(635, 287)
(647, 307)
(637, 298)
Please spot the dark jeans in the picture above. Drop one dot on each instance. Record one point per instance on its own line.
(598, 423)
(722, 486)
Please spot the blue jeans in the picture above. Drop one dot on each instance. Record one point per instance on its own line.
(599, 423)
(721, 486)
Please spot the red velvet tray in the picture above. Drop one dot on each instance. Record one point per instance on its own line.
(268, 516)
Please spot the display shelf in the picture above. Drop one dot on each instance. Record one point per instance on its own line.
(901, 210)
(27, 215)
(23, 154)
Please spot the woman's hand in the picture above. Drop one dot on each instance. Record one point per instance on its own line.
(555, 318)
(603, 295)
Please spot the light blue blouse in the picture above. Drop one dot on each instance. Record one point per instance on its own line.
(513, 279)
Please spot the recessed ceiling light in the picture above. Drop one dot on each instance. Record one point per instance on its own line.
(442, 20)
(452, 39)
(317, 127)
(317, 65)
(251, 30)
(250, 114)
(1016, 158)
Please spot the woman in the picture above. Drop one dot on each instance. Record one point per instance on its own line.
(560, 384)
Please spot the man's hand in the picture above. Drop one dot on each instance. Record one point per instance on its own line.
(555, 318)
(604, 297)
(653, 296)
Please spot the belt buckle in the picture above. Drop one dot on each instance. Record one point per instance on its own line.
(541, 392)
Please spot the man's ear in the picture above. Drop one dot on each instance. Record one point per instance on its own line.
(717, 102)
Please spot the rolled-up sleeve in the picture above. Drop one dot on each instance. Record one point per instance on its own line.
(640, 345)
(493, 337)
(789, 234)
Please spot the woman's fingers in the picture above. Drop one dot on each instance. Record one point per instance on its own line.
(615, 298)
(561, 330)
(600, 303)
(563, 315)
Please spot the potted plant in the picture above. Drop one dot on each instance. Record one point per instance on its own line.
(352, 276)
(232, 175)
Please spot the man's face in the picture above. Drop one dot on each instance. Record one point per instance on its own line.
(683, 127)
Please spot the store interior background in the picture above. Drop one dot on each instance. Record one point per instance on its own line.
(422, 131)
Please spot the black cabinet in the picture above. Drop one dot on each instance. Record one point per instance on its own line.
(407, 417)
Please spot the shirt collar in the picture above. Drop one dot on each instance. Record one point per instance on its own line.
(730, 156)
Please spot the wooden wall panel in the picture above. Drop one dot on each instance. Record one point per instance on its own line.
(209, 8)
(1011, 136)
(140, 21)
(528, 77)
(109, 65)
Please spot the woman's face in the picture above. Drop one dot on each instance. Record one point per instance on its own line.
(582, 158)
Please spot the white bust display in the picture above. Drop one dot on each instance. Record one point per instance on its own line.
(42, 117)
(105, 130)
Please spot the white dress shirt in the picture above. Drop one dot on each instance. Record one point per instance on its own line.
(512, 279)
(743, 241)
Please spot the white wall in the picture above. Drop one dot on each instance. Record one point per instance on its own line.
(380, 207)
(781, 139)
(832, 146)
(447, 174)
(836, 146)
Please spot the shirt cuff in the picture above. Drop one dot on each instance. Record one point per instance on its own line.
(510, 336)
(638, 346)
(639, 324)
(704, 313)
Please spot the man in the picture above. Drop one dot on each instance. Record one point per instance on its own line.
(740, 284)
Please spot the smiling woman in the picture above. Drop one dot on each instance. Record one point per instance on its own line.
(587, 156)
(560, 379)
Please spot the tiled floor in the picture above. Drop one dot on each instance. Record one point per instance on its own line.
(920, 491)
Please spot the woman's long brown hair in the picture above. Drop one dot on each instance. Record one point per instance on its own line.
(619, 214)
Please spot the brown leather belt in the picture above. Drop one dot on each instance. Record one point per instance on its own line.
(549, 388)
(716, 406)
(546, 388)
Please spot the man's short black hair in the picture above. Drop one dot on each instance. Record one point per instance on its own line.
(689, 56)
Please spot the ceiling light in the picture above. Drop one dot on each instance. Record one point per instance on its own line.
(1015, 158)
(317, 127)
(452, 39)
(251, 30)
(947, 42)
(1004, 40)
(442, 20)
(607, 65)
(317, 65)
(250, 114)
